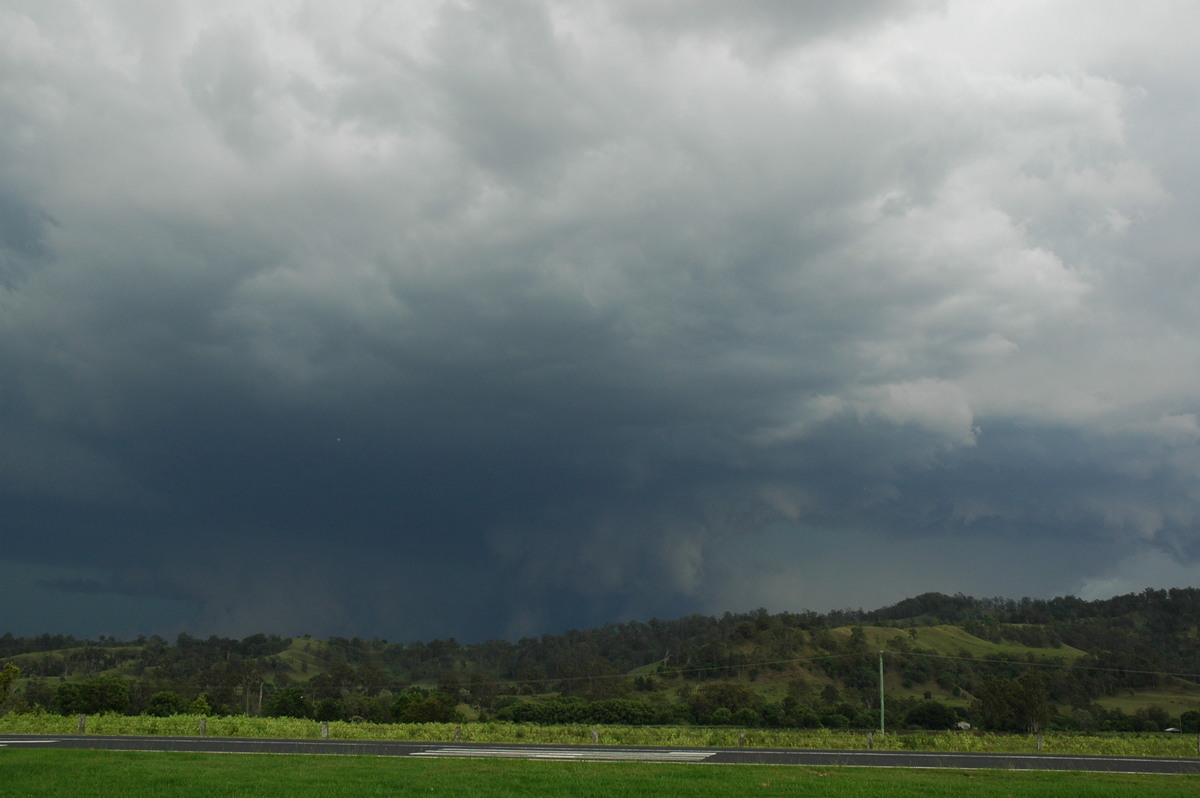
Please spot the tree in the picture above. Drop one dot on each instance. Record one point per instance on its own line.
(439, 707)
(39, 693)
(483, 690)
(253, 682)
(449, 683)
(372, 677)
(1020, 704)
(708, 700)
(532, 679)
(200, 705)
(1032, 709)
(289, 702)
(166, 703)
(8, 676)
(931, 715)
(96, 695)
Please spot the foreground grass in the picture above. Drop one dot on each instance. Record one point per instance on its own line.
(128, 774)
(1112, 744)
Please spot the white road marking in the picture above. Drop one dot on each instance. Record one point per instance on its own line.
(26, 742)
(587, 754)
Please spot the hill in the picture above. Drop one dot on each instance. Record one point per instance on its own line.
(1125, 662)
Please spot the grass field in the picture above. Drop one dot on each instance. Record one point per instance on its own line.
(32, 772)
(951, 640)
(1174, 701)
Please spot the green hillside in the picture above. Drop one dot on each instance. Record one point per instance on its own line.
(1127, 662)
(955, 641)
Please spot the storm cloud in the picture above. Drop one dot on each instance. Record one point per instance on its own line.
(489, 319)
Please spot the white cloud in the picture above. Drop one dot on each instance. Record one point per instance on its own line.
(1144, 569)
(936, 405)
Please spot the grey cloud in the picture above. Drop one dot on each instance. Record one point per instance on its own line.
(764, 26)
(87, 586)
(505, 321)
(227, 77)
(22, 226)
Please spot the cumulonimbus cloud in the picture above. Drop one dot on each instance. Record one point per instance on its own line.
(589, 311)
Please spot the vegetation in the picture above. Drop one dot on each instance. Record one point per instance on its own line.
(132, 774)
(1108, 744)
(1125, 664)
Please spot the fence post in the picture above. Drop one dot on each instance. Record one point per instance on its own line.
(324, 730)
(741, 739)
(457, 734)
(203, 726)
(595, 736)
(82, 724)
(1039, 741)
(870, 741)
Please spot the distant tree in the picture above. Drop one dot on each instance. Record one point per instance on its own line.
(605, 680)
(372, 677)
(532, 679)
(449, 683)
(290, 702)
(858, 639)
(830, 718)
(931, 715)
(439, 707)
(1032, 708)
(96, 695)
(252, 678)
(166, 703)
(1155, 717)
(483, 690)
(39, 693)
(324, 685)
(329, 709)
(1020, 704)
(830, 694)
(200, 705)
(748, 716)
(710, 698)
(8, 676)
(800, 716)
(720, 716)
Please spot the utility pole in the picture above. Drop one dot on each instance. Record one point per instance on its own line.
(880, 693)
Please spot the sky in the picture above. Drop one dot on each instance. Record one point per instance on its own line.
(431, 319)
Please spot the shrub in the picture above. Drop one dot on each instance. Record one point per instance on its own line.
(166, 703)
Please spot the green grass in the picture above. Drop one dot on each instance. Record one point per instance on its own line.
(950, 640)
(1110, 744)
(1173, 701)
(33, 772)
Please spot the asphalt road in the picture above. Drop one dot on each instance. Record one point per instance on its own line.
(763, 756)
